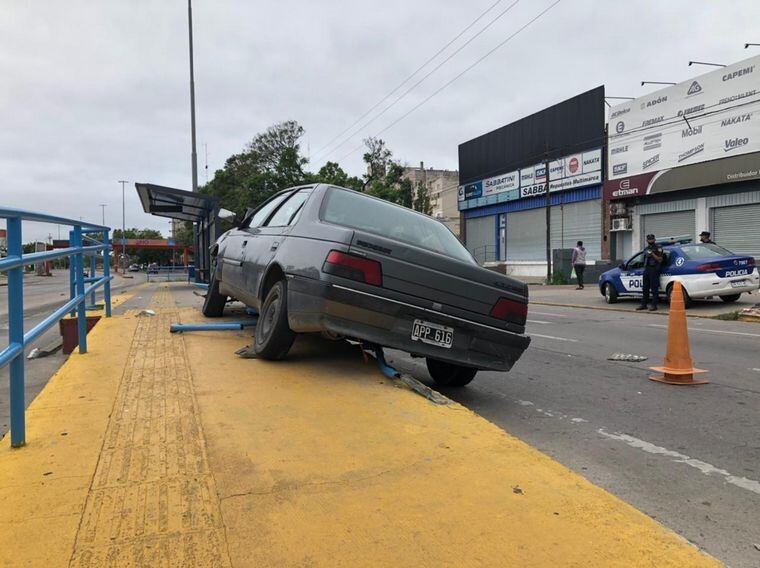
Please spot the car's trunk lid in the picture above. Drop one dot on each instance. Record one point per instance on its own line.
(442, 283)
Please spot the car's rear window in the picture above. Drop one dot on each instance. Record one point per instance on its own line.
(701, 251)
(357, 211)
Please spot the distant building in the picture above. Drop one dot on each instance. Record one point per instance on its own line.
(441, 187)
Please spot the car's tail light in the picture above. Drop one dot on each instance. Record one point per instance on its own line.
(354, 267)
(751, 261)
(505, 307)
(711, 267)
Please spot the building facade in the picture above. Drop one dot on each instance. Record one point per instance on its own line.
(441, 187)
(686, 159)
(503, 197)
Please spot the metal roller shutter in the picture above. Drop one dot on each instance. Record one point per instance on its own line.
(481, 238)
(526, 235)
(663, 225)
(736, 228)
(575, 222)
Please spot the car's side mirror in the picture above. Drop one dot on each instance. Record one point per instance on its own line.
(227, 215)
(622, 266)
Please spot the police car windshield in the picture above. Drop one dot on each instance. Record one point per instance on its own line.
(700, 251)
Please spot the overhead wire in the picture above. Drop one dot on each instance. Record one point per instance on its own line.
(458, 76)
(409, 77)
(424, 77)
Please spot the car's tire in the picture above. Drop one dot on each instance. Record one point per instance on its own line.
(449, 374)
(213, 304)
(274, 337)
(687, 301)
(730, 298)
(610, 294)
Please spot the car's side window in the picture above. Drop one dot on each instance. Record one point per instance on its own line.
(287, 213)
(263, 214)
(636, 262)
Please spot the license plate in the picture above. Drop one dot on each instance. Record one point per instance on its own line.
(433, 333)
(738, 283)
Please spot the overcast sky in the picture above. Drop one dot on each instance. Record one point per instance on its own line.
(94, 92)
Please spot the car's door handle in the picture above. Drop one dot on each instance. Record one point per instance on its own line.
(245, 243)
(275, 245)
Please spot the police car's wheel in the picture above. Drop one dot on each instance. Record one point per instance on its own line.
(731, 298)
(610, 294)
(687, 301)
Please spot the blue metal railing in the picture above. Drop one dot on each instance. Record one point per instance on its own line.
(79, 288)
(170, 273)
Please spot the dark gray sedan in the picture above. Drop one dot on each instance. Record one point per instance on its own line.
(326, 259)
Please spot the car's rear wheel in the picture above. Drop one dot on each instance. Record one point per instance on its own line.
(213, 305)
(730, 298)
(610, 294)
(687, 301)
(274, 337)
(449, 374)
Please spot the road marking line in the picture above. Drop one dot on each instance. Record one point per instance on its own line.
(704, 467)
(538, 321)
(712, 330)
(547, 314)
(552, 337)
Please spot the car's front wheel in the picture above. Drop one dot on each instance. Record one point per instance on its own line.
(274, 337)
(730, 298)
(610, 294)
(449, 374)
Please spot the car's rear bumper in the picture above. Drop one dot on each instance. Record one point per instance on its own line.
(706, 285)
(315, 305)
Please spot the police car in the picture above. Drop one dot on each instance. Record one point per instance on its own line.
(704, 270)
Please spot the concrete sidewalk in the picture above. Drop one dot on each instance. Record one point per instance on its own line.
(160, 449)
(590, 297)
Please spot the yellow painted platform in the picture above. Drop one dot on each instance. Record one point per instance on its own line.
(168, 450)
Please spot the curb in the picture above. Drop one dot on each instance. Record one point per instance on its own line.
(579, 306)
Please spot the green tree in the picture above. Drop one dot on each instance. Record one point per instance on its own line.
(270, 162)
(333, 174)
(422, 199)
(135, 233)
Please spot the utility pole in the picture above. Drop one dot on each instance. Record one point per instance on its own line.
(548, 224)
(194, 156)
(123, 226)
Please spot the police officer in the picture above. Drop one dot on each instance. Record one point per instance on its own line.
(653, 257)
(704, 238)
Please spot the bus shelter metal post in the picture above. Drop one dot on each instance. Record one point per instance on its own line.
(72, 274)
(16, 334)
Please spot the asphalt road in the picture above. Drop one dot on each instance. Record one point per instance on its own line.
(687, 456)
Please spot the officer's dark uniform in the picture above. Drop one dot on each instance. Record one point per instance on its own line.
(652, 268)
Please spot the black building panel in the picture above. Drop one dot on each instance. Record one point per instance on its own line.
(565, 128)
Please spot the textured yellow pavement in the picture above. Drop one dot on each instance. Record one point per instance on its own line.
(168, 450)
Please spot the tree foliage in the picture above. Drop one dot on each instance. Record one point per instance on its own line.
(272, 161)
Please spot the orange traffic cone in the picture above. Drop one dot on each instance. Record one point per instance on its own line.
(678, 369)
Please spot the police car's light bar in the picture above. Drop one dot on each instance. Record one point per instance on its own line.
(678, 240)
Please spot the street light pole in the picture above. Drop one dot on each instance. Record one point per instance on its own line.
(103, 216)
(123, 226)
(194, 155)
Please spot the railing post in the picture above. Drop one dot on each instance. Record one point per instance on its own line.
(16, 334)
(81, 310)
(107, 273)
(72, 274)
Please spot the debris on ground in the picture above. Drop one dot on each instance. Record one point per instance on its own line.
(143, 313)
(246, 352)
(419, 388)
(49, 349)
(627, 357)
(750, 314)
